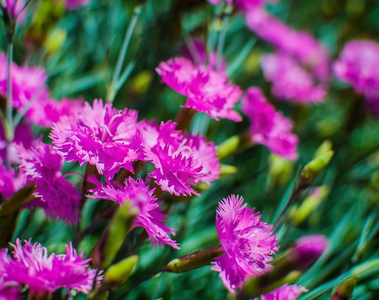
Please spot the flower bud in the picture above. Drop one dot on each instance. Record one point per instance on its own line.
(118, 273)
(345, 289)
(314, 168)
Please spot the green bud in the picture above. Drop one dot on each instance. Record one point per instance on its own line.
(233, 145)
(324, 147)
(280, 168)
(345, 289)
(315, 167)
(118, 273)
(194, 260)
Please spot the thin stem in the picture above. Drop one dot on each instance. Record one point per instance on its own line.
(221, 40)
(9, 129)
(124, 48)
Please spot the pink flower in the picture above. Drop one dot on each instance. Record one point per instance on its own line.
(285, 292)
(75, 4)
(31, 266)
(100, 135)
(14, 8)
(207, 90)
(290, 81)
(248, 243)
(47, 111)
(10, 180)
(150, 215)
(269, 127)
(43, 165)
(359, 65)
(28, 83)
(297, 43)
(181, 160)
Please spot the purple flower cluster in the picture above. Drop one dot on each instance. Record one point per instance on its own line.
(269, 127)
(248, 243)
(207, 90)
(31, 266)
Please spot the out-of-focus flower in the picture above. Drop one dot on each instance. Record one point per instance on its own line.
(290, 81)
(28, 83)
(300, 44)
(207, 90)
(23, 135)
(75, 4)
(285, 292)
(31, 266)
(269, 127)
(100, 135)
(14, 8)
(9, 290)
(43, 165)
(245, 5)
(47, 111)
(150, 215)
(358, 65)
(181, 160)
(248, 243)
(10, 180)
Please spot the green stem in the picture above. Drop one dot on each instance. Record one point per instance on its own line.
(9, 129)
(124, 48)
(225, 20)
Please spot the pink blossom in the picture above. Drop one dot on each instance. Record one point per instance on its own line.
(181, 160)
(9, 290)
(23, 135)
(47, 111)
(42, 165)
(290, 81)
(285, 292)
(269, 127)
(100, 135)
(28, 83)
(10, 180)
(150, 215)
(358, 65)
(207, 90)
(300, 44)
(248, 243)
(14, 8)
(31, 266)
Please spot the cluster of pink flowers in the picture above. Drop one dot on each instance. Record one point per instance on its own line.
(358, 65)
(247, 241)
(31, 266)
(269, 127)
(207, 89)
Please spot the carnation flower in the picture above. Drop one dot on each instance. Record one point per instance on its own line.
(297, 43)
(43, 166)
(14, 8)
(248, 243)
(10, 180)
(100, 135)
(285, 292)
(47, 111)
(290, 81)
(150, 215)
(31, 266)
(207, 90)
(28, 83)
(358, 65)
(181, 160)
(269, 127)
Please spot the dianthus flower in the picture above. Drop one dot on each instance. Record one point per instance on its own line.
(290, 81)
(23, 135)
(28, 83)
(43, 166)
(207, 90)
(150, 215)
(14, 8)
(269, 127)
(10, 180)
(285, 292)
(297, 43)
(31, 266)
(47, 111)
(100, 135)
(248, 243)
(9, 290)
(181, 160)
(358, 65)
